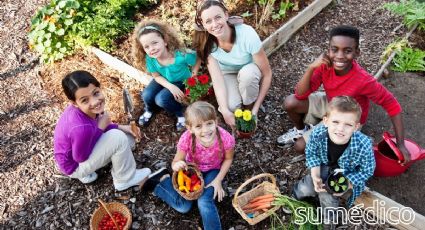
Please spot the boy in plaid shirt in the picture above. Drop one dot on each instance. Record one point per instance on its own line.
(337, 145)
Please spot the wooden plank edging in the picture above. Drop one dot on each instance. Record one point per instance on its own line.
(384, 208)
(282, 35)
(121, 66)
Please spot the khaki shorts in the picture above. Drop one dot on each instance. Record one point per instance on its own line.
(317, 105)
(242, 87)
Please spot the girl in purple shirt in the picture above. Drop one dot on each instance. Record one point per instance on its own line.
(85, 139)
(211, 148)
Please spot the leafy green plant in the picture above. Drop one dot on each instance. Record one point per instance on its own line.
(409, 59)
(337, 183)
(284, 7)
(197, 87)
(398, 45)
(50, 27)
(244, 120)
(294, 206)
(62, 26)
(413, 11)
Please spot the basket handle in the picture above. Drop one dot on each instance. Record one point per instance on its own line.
(270, 176)
(109, 213)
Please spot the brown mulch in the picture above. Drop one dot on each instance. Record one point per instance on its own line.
(35, 195)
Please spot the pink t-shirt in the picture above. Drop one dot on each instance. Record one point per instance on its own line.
(207, 158)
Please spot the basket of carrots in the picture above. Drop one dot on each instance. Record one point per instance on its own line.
(188, 183)
(256, 204)
(113, 216)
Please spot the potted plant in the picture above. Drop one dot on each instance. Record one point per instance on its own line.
(197, 87)
(337, 183)
(245, 123)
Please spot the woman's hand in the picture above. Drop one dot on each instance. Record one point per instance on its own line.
(218, 189)
(177, 93)
(176, 166)
(103, 120)
(229, 118)
(318, 184)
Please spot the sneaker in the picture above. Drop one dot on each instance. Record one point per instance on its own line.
(139, 178)
(154, 179)
(181, 124)
(292, 135)
(89, 178)
(144, 119)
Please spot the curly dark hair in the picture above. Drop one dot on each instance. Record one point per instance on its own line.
(169, 35)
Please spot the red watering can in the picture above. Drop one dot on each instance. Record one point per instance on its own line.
(389, 158)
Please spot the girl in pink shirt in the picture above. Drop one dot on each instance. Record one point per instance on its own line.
(211, 148)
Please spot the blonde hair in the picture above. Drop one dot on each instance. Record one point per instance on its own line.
(344, 104)
(196, 113)
(167, 33)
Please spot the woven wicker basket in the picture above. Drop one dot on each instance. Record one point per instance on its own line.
(192, 195)
(264, 188)
(108, 209)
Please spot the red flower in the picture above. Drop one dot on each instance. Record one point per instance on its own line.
(187, 92)
(191, 81)
(203, 79)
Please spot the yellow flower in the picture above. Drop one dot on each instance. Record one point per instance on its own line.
(238, 113)
(247, 115)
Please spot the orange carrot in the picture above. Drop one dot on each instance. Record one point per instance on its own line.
(261, 197)
(259, 207)
(257, 203)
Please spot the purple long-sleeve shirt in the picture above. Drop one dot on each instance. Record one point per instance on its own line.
(75, 137)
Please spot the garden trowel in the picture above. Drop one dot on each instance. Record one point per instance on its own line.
(128, 108)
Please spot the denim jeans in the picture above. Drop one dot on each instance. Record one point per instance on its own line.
(155, 95)
(305, 188)
(206, 203)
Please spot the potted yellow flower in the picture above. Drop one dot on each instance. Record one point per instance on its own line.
(245, 123)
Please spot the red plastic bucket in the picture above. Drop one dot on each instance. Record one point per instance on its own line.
(389, 158)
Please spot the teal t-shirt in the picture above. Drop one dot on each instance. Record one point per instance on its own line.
(247, 44)
(178, 71)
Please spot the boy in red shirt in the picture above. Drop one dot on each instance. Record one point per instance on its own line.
(340, 75)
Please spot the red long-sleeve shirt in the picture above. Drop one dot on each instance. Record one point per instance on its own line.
(358, 84)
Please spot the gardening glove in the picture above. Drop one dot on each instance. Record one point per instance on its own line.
(218, 189)
(176, 166)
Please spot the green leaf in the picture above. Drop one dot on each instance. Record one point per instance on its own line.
(332, 183)
(58, 45)
(47, 35)
(344, 187)
(47, 43)
(52, 27)
(336, 188)
(62, 50)
(341, 180)
(68, 22)
(62, 4)
(60, 32)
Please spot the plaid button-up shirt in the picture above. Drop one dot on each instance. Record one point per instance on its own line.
(358, 160)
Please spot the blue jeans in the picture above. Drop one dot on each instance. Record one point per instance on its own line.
(155, 95)
(206, 203)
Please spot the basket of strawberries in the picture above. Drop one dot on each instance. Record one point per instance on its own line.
(189, 183)
(111, 216)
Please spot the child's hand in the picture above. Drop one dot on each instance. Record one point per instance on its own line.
(103, 120)
(176, 166)
(322, 59)
(218, 189)
(318, 184)
(177, 93)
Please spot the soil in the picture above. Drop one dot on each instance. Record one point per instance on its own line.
(35, 195)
